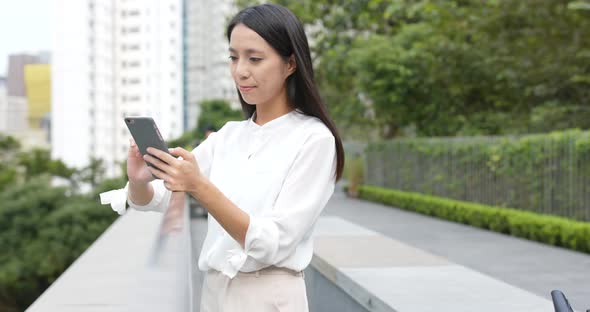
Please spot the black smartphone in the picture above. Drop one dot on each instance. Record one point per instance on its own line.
(146, 134)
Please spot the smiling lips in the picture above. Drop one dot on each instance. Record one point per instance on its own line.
(246, 88)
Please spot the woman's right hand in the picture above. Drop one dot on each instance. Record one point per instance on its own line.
(137, 169)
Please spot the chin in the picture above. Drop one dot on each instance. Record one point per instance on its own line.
(247, 101)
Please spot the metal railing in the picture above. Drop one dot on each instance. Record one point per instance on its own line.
(544, 173)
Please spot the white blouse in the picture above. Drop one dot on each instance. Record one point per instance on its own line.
(281, 173)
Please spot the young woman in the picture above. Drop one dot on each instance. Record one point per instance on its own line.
(265, 180)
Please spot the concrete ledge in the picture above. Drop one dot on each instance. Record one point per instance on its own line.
(103, 276)
(140, 263)
(382, 274)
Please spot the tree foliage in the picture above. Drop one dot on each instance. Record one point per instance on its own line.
(214, 113)
(44, 228)
(462, 67)
(217, 113)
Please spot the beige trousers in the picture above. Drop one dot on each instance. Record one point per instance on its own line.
(270, 289)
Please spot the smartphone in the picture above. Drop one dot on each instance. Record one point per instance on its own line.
(146, 134)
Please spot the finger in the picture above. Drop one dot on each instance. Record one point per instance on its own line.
(163, 156)
(164, 167)
(134, 151)
(179, 151)
(160, 174)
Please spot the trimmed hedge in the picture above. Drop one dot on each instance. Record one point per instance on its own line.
(546, 229)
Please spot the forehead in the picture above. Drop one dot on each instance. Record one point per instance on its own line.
(243, 38)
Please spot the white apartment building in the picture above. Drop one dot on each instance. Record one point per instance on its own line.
(111, 59)
(13, 113)
(207, 57)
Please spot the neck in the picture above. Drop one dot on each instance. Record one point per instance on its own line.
(272, 110)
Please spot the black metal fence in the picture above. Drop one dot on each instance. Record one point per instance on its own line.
(547, 173)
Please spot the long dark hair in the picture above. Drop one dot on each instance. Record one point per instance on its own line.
(284, 32)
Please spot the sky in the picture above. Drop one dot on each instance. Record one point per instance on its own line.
(25, 26)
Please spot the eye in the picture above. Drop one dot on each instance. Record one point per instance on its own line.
(232, 58)
(255, 59)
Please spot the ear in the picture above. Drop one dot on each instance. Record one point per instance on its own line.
(291, 65)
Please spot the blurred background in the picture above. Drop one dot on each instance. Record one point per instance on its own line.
(486, 102)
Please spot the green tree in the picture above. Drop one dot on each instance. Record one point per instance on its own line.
(451, 67)
(38, 161)
(93, 174)
(43, 231)
(213, 113)
(44, 228)
(217, 113)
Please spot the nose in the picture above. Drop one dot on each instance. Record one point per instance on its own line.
(241, 69)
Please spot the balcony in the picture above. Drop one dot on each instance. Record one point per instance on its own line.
(146, 261)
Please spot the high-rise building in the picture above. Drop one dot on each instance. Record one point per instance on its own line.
(38, 92)
(207, 57)
(3, 106)
(113, 59)
(13, 109)
(25, 99)
(15, 77)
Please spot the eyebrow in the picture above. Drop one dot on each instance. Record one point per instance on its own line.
(248, 51)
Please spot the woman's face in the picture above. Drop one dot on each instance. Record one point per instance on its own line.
(257, 69)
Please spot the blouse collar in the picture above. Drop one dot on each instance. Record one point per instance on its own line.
(273, 124)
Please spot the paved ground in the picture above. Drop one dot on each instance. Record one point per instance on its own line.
(531, 266)
(528, 265)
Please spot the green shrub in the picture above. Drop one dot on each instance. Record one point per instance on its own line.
(546, 229)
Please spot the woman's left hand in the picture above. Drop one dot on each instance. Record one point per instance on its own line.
(179, 174)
